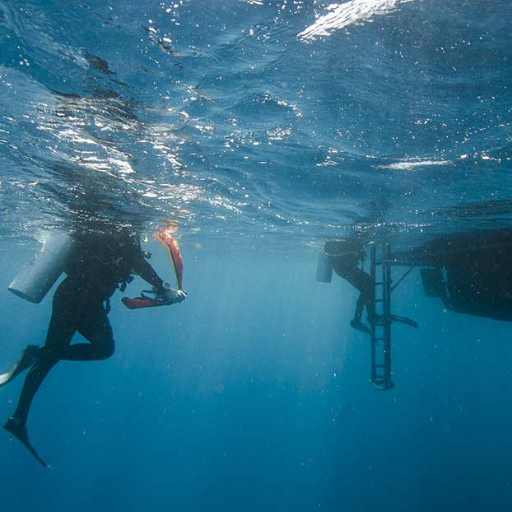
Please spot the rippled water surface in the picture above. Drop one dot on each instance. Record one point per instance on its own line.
(291, 118)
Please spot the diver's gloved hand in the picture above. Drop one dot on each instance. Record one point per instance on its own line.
(174, 296)
(171, 296)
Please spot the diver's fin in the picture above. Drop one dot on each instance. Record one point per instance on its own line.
(27, 359)
(379, 320)
(20, 433)
(360, 326)
(404, 320)
(171, 246)
(143, 302)
(5, 378)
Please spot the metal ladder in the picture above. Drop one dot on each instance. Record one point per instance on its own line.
(380, 326)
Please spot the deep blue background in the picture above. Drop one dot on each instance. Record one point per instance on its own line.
(254, 395)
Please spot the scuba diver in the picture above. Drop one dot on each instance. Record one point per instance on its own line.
(344, 256)
(98, 264)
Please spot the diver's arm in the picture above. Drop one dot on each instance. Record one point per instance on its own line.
(142, 268)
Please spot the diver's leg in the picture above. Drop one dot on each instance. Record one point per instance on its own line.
(356, 322)
(17, 423)
(364, 283)
(361, 303)
(60, 332)
(33, 381)
(95, 327)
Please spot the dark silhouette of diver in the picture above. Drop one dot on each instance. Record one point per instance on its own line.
(99, 265)
(344, 257)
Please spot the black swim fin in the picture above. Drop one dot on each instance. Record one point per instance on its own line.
(405, 320)
(379, 320)
(20, 433)
(360, 326)
(28, 358)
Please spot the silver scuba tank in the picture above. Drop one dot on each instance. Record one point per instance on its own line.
(323, 268)
(35, 279)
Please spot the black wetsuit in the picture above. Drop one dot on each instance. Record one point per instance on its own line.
(99, 265)
(344, 256)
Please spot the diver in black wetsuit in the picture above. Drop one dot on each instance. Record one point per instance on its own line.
(344, 256)
(101, 262)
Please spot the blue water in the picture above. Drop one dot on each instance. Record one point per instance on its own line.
(261, 128)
